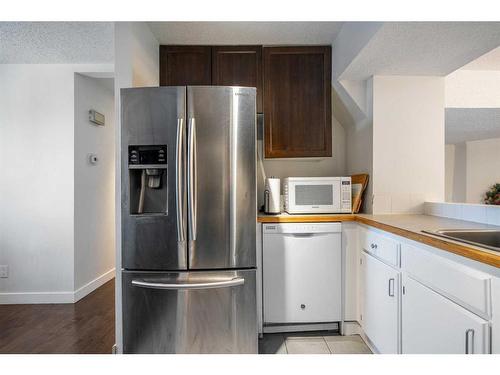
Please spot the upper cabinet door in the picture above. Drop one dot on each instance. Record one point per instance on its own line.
(297, 102)
(185, 65)
(238, 66)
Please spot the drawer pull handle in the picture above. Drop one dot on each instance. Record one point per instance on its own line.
(391, 287)
(302, 306)
(469, 341)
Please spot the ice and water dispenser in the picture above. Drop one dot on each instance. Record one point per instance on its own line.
(148, 179)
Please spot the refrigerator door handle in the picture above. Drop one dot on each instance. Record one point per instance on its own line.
(190, 286)
(192, 188)
(179, 177)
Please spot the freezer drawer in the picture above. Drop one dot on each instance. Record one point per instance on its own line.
(189, 312)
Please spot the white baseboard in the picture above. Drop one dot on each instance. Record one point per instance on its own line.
(351, 328)
(36, 297)
(354, 328)
(276, 328)
(93, 285)
(56, 297)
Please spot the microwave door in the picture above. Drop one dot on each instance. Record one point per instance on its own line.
(318, 197)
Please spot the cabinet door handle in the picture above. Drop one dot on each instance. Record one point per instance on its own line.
(469, 341)
(391, 287)
(373, 245)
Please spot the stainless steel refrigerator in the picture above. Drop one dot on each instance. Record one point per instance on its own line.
(188, 220)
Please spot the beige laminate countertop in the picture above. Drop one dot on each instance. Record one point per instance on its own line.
(408, 226)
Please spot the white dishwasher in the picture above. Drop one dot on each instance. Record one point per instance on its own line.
(302, 273)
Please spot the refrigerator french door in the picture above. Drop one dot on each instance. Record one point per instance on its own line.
(188, 220)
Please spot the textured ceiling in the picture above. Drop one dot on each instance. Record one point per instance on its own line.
(488, 61)
(56, 42)
(470, 124)
(245, 32)
(423, 48)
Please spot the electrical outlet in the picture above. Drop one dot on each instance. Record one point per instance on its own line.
(4, 271)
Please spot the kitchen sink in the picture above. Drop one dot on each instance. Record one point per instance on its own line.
(487, 238)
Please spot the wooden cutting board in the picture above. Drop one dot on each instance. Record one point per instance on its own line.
(359, 182)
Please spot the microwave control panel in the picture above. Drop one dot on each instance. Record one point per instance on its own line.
(345, 194)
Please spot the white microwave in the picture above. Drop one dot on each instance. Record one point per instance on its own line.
(308, 195)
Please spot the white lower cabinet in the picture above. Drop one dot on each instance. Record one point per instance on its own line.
(432, 324)
(380, 304)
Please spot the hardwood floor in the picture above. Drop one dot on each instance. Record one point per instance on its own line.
(87, 326)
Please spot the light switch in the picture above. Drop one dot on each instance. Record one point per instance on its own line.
(4, 271)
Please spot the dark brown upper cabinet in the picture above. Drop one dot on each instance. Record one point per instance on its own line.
(297, 102)
(185, 65)
(238, 66)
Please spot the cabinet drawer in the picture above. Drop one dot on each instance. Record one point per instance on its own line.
(466, 286)
(379, 245)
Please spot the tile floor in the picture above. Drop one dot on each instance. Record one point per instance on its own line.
(311, 343)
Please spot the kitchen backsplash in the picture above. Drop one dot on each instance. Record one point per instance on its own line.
(479, 213)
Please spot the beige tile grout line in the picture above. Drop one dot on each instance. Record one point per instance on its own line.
(284, 342)
(327, 346)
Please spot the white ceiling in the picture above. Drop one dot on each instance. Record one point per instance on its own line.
(56, 42)
(488, 61)
(470, 124)
(423, 48)
(245, 32)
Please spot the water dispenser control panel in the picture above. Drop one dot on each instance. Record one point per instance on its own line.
(147, 155)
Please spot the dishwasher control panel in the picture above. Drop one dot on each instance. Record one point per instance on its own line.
(303, 228)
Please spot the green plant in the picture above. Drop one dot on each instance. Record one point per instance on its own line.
(492, 196)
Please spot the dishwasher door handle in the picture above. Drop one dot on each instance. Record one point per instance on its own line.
(304, 235)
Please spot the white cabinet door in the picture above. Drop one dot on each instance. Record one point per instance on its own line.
(380, 309)
(432, 324)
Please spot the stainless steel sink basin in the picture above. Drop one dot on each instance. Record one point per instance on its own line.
(487, 238)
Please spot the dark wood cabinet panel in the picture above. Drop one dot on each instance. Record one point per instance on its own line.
(185, 65)
(297, 101)
(238, 66)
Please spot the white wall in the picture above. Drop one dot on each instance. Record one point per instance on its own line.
(313, 167)
(136, 64)
(37, 181)
(359, 144)
(94, 184)
(473, 89)
(475, 166)
(36, 187)
(483, 168)
(449, 171)
(460, 173)
(350, 41)
(408, 143)
(455, 172)
(306, 167)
